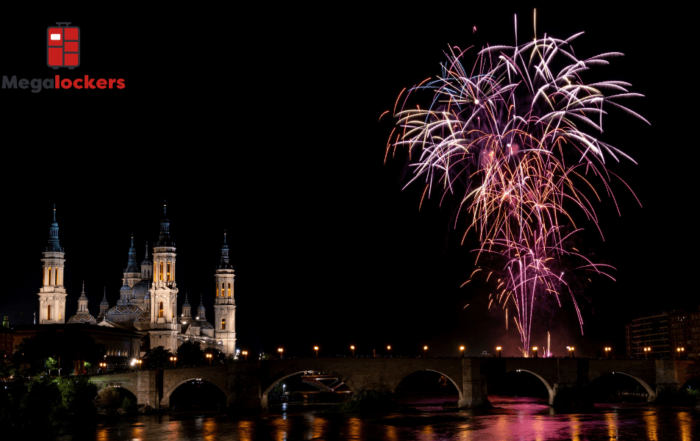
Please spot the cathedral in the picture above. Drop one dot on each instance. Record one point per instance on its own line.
(147, 302)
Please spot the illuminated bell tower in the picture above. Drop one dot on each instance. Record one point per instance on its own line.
(52, 294)
(225, 305)
(163, 292)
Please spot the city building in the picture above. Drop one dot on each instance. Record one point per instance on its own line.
(649, 332)
(685, 334)
(145, 316)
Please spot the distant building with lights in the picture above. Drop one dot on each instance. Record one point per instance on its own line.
(685, 334)
(649, 332)
(667, 335)
(147, 304)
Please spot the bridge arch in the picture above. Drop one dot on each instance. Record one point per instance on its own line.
(165, 401)
(645, 385)
(281, 376)
(122, 392)
(551, 390)
(454, 383)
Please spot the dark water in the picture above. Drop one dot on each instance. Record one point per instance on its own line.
(512, 419)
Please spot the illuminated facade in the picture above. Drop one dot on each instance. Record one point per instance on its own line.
(225, 304)
(147, 299)
(52, 294)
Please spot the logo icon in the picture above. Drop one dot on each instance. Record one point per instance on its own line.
(63, 46)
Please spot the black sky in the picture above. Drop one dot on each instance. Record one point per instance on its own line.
(264, 121)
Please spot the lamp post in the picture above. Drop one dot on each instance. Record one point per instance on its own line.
(209, 356)
(571, 351)
(388, 349)
(646, 352)
(425, 351)
(498, 349)
(352, 348)
(281, 352)
(103, 367)
(174, 360)
(245, 355)
(680, 350)
(535, 351)
(138, 363)
(316, 349)
(607, 352)
(461, 351)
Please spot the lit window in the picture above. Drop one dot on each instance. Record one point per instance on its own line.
(48, 312)
(160, 310)
(223, 324)
(168, 278)
(229, 289)
(217, 290)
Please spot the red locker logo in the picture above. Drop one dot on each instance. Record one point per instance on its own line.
(63, 46)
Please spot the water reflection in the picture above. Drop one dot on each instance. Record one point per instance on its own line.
(510, 419)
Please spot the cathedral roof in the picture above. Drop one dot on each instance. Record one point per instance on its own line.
(124, 309)
(205, 325)
(145, 316)
(82, 318)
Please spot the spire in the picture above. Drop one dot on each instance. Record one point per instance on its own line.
(54, 245)
(132, 266)
(82, 295)
(83, 302)
(164, 237)
(146, 259)
(201, 311)
(186, 307)
(225, 262)
(104, 298)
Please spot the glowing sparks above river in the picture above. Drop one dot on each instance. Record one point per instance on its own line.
(516, 138)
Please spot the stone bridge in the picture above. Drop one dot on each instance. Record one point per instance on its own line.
(247, 384)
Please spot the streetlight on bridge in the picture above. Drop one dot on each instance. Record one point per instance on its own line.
(680, 350)
(209, 356)
(461, 351)
(281, 352)
(388, 349)
(352, 348)
(607, 352)
(103, 366)
(498, 349)
(425, 351)
(571, 351)
(316, 349)
(535, 351)
(646, 352)
(174, 360)
(245, 354)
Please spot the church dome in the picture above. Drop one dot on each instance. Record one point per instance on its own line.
(140, 289)
(82, 318)
(205, 325)
(145, 316)
(124, 309)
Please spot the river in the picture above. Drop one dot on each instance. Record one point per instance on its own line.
(510, 419)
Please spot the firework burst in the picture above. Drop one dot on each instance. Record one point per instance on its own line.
(516, 138)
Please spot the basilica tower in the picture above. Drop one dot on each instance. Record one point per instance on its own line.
(52, 294)
(163, 292)
(225, 305)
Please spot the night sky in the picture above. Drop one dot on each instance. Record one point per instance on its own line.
(264, 122)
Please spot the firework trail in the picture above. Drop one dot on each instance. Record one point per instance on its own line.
(516, 139)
